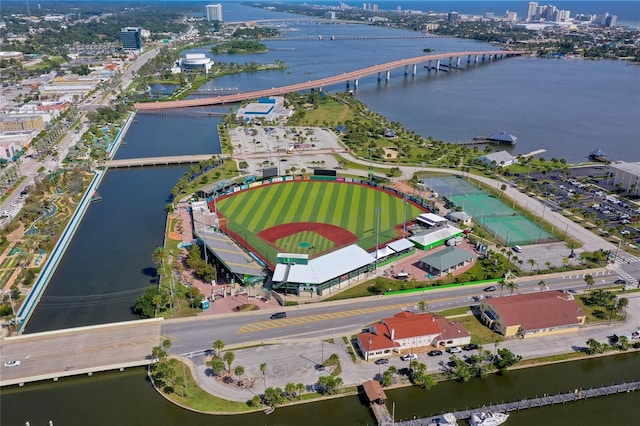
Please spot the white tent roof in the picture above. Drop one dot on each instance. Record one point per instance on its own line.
(325, 268)
(383, 252)
(400, 245)
(437, 235)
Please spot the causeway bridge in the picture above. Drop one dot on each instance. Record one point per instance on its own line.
(453, 58)
(575, 395)
(156, 161)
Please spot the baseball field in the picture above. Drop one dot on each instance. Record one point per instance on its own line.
(312, 217)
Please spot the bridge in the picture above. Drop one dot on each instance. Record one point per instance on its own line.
(355, 76)
(156, 161)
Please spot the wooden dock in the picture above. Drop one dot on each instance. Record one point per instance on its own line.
(576, 395)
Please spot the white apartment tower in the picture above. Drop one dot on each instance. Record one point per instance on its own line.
(531, 10)
(214, 12)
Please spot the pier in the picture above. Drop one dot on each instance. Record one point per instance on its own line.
(575, 395)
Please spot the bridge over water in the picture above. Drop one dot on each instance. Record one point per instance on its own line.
(454, 59)
(156, 161)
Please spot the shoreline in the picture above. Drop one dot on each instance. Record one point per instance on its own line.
(320, 398)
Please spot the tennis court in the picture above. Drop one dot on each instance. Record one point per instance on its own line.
(491, 213)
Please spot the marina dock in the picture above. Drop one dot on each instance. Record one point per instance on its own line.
(575, 395)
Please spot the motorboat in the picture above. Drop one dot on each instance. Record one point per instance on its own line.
(488, 418)
(447, 419)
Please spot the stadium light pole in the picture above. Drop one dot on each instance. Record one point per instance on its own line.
(370, 164)
(404, 218)
(377, 234)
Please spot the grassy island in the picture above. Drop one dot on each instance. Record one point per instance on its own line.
(239, 47)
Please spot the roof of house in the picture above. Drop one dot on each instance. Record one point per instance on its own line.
(461, 216)
(451, 329)
(377, 339)
(400, 245)
(407, 325)
(325, 268)
(431, 217)
(631, 168)
(534, 311)
(447, 258)
(498, 157)
(502, 137)
(373, 390)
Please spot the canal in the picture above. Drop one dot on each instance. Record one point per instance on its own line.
(127, 398)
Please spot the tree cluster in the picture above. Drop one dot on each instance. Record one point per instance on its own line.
(481, 364)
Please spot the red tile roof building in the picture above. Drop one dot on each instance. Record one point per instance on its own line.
(406, 330)
(533, 314)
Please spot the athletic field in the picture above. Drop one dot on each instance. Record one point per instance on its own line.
(312, 217)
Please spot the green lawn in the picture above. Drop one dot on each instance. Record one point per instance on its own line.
(348, 206)
(330, 111)
(305, 240)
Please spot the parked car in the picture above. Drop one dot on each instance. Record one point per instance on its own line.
(454, 350)
(409, 357)
(434, 352)
(620, 281)
(278, 315)
(382, 361)
(470, 347)
(490, 288)
(12, 363)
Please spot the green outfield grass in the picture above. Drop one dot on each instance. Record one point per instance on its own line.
(305, 242)
(349, 206)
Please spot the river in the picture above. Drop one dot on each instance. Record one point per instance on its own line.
(566, 107)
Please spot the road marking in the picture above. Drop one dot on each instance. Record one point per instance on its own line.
(264, 325)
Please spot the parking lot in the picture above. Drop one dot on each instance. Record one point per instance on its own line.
(591, 194)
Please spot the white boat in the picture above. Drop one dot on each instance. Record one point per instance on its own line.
(447, 419)
(488, 418)
(269, 410)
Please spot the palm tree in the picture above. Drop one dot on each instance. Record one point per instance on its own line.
(229, 357)
(423, 305)
(512, 286)
(157, 301)
(541, 284)
(159, 258)
(218, 345)
(502, 284)
(589, 281)
(531, 262)
(263, 370)
(300, 387)
(238, 371)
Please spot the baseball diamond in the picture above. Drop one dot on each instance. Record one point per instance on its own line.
(312, 217)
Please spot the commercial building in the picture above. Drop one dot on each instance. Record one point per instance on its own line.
(435, 237)
(431, 220)
(626, 176)
(195, 61)
(268, 109)
(214, 12)
(500, 158)
(410, 331)
(131, 38)
(446, 260)
(21, 122)
(296, 274)
(532, 314)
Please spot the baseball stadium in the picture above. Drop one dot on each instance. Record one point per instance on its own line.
(313, 234)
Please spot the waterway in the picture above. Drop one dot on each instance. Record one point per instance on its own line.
(127, 398)
(108, 264)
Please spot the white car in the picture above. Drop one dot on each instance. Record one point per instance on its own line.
(454, 350)
(12, 363)
(409, 357)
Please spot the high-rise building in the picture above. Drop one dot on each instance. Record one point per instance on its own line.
(531, 10)
(131, 39)
(511, 16)
(453, 17)
(214, 12)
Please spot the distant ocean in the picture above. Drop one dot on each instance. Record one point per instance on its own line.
(628, 12)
